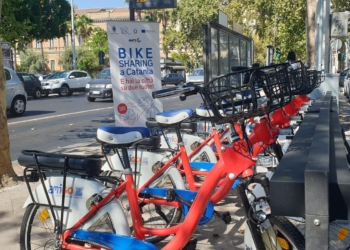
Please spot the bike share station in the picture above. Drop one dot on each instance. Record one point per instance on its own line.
(311, 182)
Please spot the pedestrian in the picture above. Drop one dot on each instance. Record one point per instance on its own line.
(292, 60)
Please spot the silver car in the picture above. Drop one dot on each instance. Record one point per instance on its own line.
(16, 96)
(196, 77)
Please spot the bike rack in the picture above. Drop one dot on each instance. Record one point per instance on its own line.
(313, 179)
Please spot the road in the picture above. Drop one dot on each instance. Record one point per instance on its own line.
(54, 122)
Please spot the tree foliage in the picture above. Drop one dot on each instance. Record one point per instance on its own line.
(25, 20)
(279, 23)
(82, 26)
(30, 62)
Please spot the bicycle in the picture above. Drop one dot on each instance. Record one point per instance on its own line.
(68, 235)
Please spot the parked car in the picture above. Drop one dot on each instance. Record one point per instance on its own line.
(347, 85)
(66, 82)
(196, 77)
(173, 78)
(100, 87)
(32, 85)
(342, 77)
(16, 96)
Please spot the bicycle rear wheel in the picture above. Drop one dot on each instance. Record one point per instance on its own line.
(37, 229)
(282, 235)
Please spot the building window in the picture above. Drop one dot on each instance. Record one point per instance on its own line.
(38, 44)
(67, 40)
(80, 40)
(51, 43)
(52, 65)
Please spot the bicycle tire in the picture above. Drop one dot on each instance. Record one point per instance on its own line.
(282, 228)
(26, 241)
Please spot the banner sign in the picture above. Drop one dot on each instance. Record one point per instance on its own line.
(153, 4)
(339, 24)
(135, 71)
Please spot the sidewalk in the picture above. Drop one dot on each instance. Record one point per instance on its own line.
(214, 235)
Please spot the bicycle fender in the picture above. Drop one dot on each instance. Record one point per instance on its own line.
(78, 194)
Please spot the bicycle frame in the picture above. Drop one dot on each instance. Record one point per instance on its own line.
(232, 163)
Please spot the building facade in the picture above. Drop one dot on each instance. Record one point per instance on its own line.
(53, 49)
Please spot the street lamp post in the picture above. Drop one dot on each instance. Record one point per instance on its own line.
(73, 37)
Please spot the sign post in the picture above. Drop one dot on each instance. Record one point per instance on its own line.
(135, 71)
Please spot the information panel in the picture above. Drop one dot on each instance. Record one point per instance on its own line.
(135, 71)
(153, 4)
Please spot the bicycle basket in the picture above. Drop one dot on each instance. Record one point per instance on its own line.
(278, 88)
(297, 78)
(235, 96)
(315, 78)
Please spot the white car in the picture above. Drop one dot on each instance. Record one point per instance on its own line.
(16, 96)
(66, 82)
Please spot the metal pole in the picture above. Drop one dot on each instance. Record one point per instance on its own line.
(73, 37)
(132, 10)
(319, 18)
(326, 37)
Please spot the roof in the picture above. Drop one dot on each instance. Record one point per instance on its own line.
(101, 10)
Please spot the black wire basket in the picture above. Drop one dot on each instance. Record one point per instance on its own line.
(298, 79)
(315, 78)
(247, 93)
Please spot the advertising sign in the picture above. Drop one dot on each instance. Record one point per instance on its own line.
(135, 71)
(339, 24)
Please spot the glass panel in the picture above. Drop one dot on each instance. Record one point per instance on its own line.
(214, 54)
(243, 53)
(224, 63)
(249, 55)
(234, 51)
(7, 75)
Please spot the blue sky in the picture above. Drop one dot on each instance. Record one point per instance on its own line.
(84, 4)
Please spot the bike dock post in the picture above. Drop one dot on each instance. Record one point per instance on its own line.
(312, 180)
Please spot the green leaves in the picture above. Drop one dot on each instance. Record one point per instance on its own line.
(25, 20)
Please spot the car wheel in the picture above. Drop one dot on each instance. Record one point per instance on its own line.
(37, 94)
(64, 91)
(18, 106)
(70, 93)
(181, 83)
(91, 99)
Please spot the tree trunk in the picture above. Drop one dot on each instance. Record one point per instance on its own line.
(310, 33)
(6, 169)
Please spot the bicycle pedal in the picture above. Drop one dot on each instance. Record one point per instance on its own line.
(191, 245)
(226, 217)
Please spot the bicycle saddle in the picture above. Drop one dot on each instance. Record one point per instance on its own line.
(174, 116)
(121, 136)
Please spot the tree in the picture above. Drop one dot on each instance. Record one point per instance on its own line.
(82, 25)
(6, 169)
(280, 23)
(98, 42)
(30, 62)
(188, 17)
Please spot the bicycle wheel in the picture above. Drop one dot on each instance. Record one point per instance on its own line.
(37, 229)
(282, 235)
(155, 216)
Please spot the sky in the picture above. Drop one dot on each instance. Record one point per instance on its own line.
(84, 4)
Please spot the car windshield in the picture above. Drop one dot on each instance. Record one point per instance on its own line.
(106, 73)
(53, 76)
(198, 72)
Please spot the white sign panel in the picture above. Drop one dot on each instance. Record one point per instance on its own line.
(135, 71)
(339, 24)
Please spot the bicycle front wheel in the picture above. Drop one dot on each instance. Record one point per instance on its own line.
(282, 235)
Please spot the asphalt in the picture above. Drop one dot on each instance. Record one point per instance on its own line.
(213, 235)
